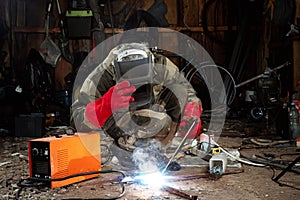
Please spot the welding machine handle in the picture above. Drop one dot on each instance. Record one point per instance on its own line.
(115, 98)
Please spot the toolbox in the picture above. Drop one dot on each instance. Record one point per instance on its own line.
(79, 23)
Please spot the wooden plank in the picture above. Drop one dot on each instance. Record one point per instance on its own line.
(35, 30)
(296, 65)
(21, 13)
(201, 5)
(191, 13)
(35, 13)
(172, 14)
(296, 52)
(168, 39)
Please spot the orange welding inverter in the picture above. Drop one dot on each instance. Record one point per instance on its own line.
(66, 159)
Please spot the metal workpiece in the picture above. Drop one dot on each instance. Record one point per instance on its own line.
(178, 192)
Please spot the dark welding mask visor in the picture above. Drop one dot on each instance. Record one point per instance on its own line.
(139, 74)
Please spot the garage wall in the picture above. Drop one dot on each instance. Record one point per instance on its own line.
(234, 32)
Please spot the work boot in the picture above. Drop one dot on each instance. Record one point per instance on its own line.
(127, 142)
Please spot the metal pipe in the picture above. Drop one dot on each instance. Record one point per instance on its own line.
(262, 75)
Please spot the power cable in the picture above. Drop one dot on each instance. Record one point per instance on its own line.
(36, 182)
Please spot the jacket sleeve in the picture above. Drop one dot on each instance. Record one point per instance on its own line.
(94, 86)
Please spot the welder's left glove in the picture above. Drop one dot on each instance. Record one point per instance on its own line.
(192, 112)
(117, 97)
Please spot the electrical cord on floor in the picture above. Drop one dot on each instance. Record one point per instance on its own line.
(35, 182)
(249, 162)
(242, 160)
(246, 161)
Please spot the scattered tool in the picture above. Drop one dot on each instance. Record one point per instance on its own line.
(216, 150)
(288, 168)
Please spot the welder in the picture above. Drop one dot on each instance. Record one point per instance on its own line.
(136, 96)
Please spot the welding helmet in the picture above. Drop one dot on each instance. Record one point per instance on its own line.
(134, 64)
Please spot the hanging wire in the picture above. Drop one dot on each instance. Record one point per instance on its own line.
(229, 98)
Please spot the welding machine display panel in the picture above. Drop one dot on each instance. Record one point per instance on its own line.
(40, 152)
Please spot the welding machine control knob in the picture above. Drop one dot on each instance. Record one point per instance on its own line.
(35, 152)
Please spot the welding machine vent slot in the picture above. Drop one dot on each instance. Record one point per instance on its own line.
(62, 160)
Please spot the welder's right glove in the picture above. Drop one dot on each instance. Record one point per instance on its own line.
(192, 112)
(115, 98)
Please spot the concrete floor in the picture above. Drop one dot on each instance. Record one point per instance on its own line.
(242, 181)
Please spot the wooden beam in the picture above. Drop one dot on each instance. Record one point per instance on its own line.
(35, 30)
(119, 30)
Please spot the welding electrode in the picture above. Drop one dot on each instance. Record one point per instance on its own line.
(179, 147)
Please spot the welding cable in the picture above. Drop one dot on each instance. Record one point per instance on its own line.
(245, 161)
(196, 68)
(28, 183)
(88, 173)
(33, 182)
(231, 98)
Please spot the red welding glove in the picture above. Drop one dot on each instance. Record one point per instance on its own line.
(115, 98)
(192, 112)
